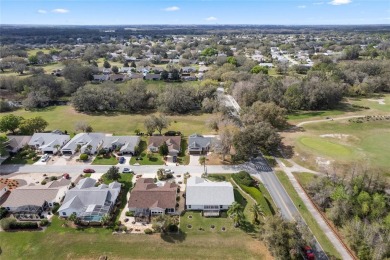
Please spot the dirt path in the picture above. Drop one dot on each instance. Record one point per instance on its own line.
(325, 120)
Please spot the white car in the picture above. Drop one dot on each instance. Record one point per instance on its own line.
(169, 171)
(45, 157)
(127, 170)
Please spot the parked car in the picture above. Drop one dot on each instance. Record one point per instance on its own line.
(308, 253)
(128, 170)
(168, 171)
(45, 157)
(122, 159)
(66, 176)
(88, 170)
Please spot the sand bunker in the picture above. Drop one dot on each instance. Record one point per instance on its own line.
(380, 101)
(339, 136)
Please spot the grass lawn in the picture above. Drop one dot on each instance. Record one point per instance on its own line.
(305, 178)
(183, 158)
(66, 243)
(309, 114)
(258, 194)
(65, 118)
(105, 161)
(153, 159)
(311, 222)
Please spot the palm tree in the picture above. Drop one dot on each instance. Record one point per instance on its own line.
(202, 160)
(89, 147)
(257, 211)
(236, 212)
(57, 147)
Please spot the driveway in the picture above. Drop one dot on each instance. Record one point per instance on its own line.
(194, 160)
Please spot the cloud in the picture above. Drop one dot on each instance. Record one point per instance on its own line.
(42, 11)
(340, 2)
(318, 3)
(211, 18)
(60, 11)
(172, 9)
(301, 6)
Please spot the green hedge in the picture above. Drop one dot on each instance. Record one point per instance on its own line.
(23, 225)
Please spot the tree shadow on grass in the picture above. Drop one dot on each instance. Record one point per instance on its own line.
(174, 238)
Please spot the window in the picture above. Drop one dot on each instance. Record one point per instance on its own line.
(189, 206)
(8, 208)
(63, 214)
(211, 207)
(220, 206)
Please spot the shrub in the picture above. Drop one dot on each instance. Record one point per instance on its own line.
(243, 178)
(23, 225)
(55, 208)
(44, 222)
(173, 228)
(168, 176)
(43, 182)
(83, 157)
(6, 223)
(129, 214)
(177, 198)
(3, 212)
(53, 178)
(148, 231)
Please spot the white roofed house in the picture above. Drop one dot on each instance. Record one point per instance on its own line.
(90, 203)
(124, 144)
(198, 144)
(48, 142)
(209, 197)
(88, 143)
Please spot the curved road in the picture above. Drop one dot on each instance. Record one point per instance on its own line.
(325, 120)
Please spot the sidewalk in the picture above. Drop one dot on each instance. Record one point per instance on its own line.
(317, 216)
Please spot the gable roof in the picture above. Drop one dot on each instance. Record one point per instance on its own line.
(173, 142)
(128, 142)
(34, 195)
(202, 192)
(146, 194)
(84, 139)
(15, 142)
(45, 140)
(197, 141)
(85, 194)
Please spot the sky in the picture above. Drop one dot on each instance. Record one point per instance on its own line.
(127, 12)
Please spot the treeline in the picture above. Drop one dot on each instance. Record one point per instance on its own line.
(360, 208)
(134, 97)
(323, 87)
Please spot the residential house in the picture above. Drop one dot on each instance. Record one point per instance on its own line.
(100, 78)
(16, 142)
(88, 202)
(210, 197)
(34, 199)
(198, 144)
(85, 142)
(148, 199)
(126, 144)
(173, 143)
(152, 77)
(49, 143)
(136, 76)
(186, 71)
(118, 77)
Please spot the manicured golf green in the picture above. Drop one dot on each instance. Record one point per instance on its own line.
(325, 147)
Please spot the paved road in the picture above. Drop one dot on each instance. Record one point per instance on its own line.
(261, 170)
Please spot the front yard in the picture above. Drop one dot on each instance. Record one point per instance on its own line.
(145, 158)
(109, 159)
(24, 156)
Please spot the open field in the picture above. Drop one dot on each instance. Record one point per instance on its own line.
(65, 118)
(57, 242)
(311, 222)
